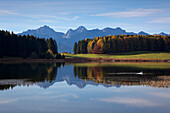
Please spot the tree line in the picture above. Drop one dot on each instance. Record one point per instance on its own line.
(12, 45)
(122, 43)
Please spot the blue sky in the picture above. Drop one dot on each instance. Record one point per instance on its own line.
(152, 16)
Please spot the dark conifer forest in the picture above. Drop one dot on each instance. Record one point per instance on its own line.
(12, 45)
(123, 43)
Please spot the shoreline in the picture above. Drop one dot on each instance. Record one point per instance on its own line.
(81, 60)
(112, 60)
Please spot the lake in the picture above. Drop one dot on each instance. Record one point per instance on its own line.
(85, 88)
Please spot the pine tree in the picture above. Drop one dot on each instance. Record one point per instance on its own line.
(52, 45)
(75, 48)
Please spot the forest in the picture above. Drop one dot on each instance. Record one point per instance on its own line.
(122, 43)
(12, 45)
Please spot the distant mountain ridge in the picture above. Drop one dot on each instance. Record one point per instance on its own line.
(43, 32)
(66, 40)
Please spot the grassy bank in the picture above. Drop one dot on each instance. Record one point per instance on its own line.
(136, 65)
(142, 55)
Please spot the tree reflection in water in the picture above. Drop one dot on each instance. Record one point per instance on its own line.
(27, 74)
(45, 75)
(111, 75)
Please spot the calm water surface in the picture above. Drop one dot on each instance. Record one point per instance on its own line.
(85, 88)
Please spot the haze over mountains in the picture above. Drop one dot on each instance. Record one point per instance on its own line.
(66, 40)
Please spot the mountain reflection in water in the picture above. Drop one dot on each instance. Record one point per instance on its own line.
(45, 75)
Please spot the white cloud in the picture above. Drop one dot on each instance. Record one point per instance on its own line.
(7, 101)
(48, 21)
(63, 18)
(8, 12)
(161, 95)
(50, 17)
(63, 13)
(42, 17)
(131, 13)
(46, 96)
(129, 101)
(120, 24)
(66, 95)
(164, 20)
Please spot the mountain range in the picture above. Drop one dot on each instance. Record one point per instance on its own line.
(66, 40)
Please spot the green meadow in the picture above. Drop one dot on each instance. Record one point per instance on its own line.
(141, 55)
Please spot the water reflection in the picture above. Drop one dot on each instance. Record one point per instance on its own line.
(123, 75)
(117, 75)
(12, 75)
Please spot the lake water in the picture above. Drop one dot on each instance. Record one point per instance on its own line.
(85, 88)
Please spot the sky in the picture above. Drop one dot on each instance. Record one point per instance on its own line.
(151, 16)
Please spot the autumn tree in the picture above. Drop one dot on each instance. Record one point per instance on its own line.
(124, 43)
